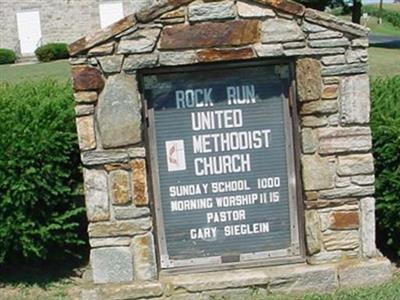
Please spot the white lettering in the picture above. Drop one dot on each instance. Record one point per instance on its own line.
(216, 165)
(193, 98)
(226, 216)
(217, 119)
(244, 94)
(203, 233)
(246, 229)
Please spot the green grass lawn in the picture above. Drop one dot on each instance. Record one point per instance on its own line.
(388, 6)
(384, 62)
(385, 28)
(58, 70)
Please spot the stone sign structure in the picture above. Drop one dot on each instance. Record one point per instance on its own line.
(262, 101)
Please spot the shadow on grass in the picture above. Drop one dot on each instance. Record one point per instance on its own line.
(60, 264)
(389, 251)
(44, 273)
(388, 45)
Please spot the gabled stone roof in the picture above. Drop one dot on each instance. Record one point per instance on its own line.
(151, 13)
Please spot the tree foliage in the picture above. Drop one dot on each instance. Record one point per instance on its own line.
(385, 123)
(40, 208)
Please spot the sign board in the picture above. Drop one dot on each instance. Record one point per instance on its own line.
(224, 183)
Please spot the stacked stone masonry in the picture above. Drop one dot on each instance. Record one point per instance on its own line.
(337, 167)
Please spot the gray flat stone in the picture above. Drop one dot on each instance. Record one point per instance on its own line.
(220, 10)
(172, 58)
(314, 121)
(280, 30)
(310, 27)
(351, 191)
(141, 41)
(104, 49)
(319, 107)
(232, 294)
(356, 56)
(111, 63)
(314, 51)
(140, 61)
(365, 273)
(137, 152)
(111, 265)
(92, 158)
(144, 256)
(294, 278)
(263, 50)
(330, 34)
(363, 179)
(360, 42)
(294, 45)
(331, 256)
(119, 101)
(110, 242)
(341, 239)
(120, 228)
(333, 60)
(318, 172)
(96, 195)
(333, 120)
(78, 60)
(132, 291)
(355, 100)
(328, 43)
(342, 181)
(253, 10)
(313, 232)
(127, 213)
(309, 140)
(84, 110)
(367, 208)
(90, 295)
(347, 69)
(85, 97)
(334, 140)
(355, 164)
(86, 132)
(323, 279)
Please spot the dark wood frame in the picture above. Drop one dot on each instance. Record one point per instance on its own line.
(293, 127)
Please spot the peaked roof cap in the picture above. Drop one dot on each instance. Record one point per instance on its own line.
(160, 7)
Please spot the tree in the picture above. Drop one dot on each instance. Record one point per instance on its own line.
(316, 4)
(356, 11)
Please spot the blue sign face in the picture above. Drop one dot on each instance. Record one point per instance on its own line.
(221, 142)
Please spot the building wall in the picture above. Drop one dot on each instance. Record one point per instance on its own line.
(61, 20)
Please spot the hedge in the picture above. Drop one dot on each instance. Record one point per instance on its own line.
(51, 52)
(385, 124)
(7, 56)
(41, 210)
(388, 15)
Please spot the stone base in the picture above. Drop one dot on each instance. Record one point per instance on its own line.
(246, 283)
